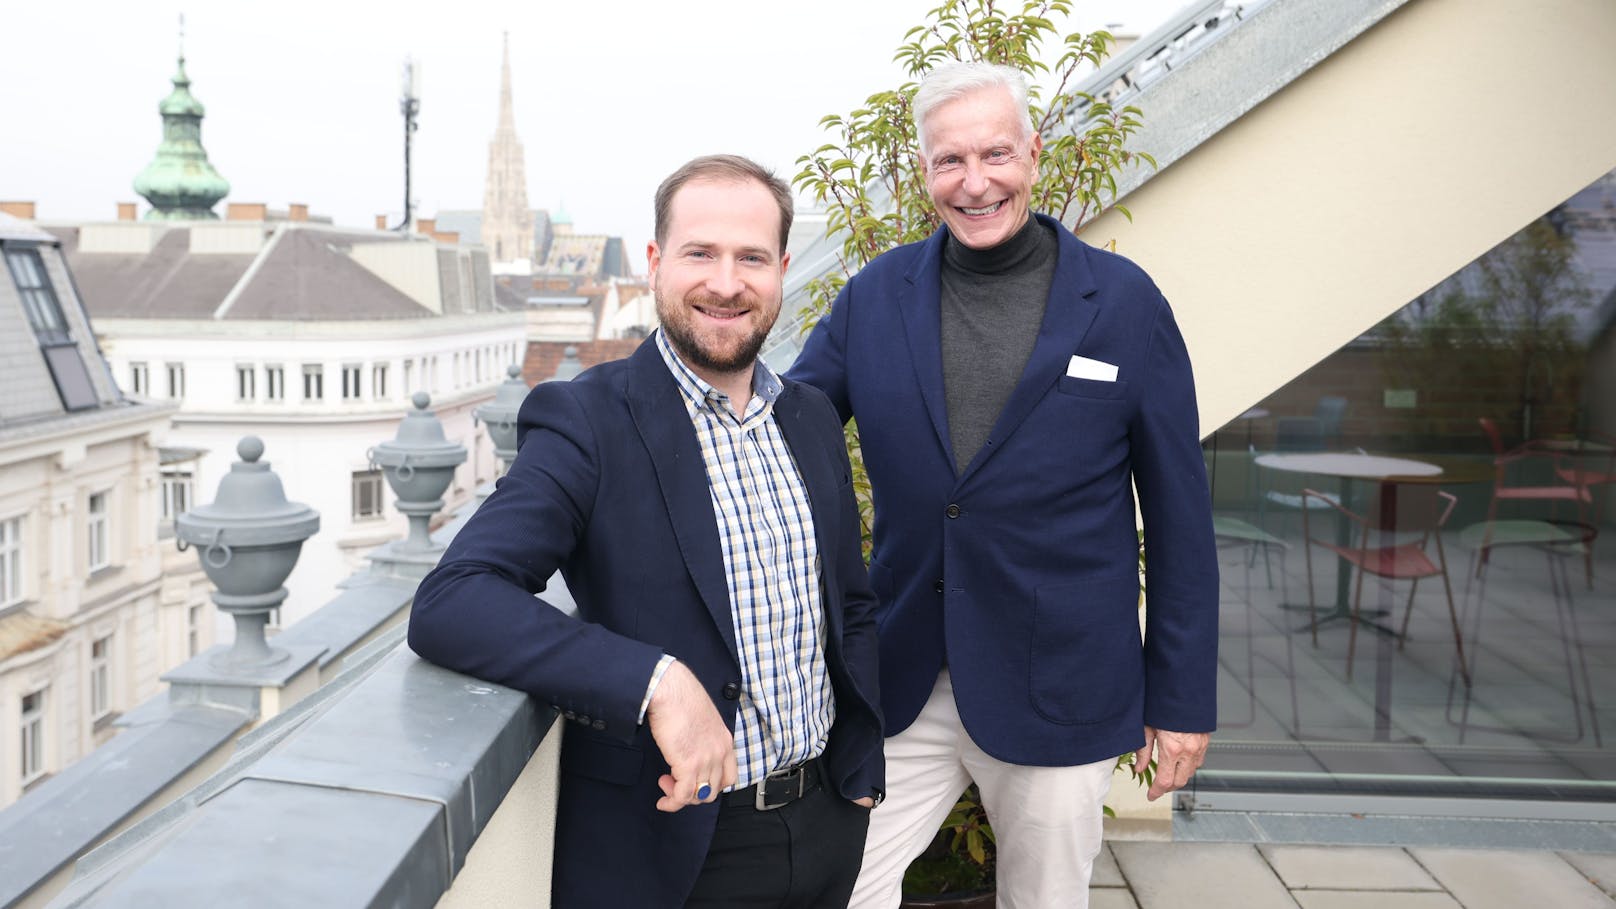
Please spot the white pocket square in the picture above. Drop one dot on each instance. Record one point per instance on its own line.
(1098, 370)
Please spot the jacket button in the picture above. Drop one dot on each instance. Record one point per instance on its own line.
(571, 715)
(731, 691)
(953, 511)
(598, 725)
(938, 586)
(583, 719)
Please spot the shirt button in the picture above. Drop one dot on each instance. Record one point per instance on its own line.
(732, 691)
(953, 511)
(938, 586)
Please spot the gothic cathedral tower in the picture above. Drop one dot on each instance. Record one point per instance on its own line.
(507, 222)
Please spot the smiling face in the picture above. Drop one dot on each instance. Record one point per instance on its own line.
(980, 162)
(718, 274)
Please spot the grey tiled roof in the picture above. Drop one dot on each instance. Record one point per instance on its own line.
(306, 276)
(301, 274)
(167, 283)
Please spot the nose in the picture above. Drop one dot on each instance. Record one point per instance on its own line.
(724, 280)
(976, 179)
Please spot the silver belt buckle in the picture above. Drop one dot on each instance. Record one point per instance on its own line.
(762, 803)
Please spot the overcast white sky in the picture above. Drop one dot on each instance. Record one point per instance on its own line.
(302, 96)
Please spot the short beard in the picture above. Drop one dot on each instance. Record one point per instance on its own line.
(690, 349)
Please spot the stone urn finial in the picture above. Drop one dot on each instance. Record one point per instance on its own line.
(500, 414)
(248, 539)
(419, 464)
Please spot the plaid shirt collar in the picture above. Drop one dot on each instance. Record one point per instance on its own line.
(698, 393)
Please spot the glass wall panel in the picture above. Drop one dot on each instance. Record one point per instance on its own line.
(1418, 540)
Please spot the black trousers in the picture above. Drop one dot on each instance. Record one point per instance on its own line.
(804, 855)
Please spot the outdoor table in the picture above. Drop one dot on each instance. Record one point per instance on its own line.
(1387, 473)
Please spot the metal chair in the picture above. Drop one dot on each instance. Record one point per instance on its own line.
(1570, 484)
(1416, 510)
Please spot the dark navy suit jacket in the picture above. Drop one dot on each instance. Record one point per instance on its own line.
(1020, 574)
(609, 487)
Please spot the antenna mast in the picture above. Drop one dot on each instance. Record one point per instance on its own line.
(409, 104)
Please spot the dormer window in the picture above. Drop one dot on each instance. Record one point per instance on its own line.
(50, 328)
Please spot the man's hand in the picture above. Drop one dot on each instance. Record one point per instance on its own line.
(698, 746)
(1178, 755)
(866, 802)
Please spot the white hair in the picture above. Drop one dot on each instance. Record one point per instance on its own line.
(953, 81)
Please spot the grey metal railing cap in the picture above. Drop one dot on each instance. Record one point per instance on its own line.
(269, 845)
(426, 733)
(47, 828)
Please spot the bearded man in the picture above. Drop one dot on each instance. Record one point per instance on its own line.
(723, 747)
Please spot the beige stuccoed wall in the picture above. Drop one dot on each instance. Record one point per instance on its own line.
(509, 865)
(1427, 140)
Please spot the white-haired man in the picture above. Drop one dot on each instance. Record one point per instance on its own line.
(1012, 387)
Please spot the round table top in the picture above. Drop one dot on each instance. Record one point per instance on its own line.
(1347, 464)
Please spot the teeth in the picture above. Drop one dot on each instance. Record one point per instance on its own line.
(983, 211)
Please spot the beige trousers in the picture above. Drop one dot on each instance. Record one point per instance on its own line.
(1047, 820)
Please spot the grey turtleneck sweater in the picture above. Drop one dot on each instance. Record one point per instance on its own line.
(992, 306)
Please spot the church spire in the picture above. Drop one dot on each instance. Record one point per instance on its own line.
(507, 229)
(507, 118)
(179, 182)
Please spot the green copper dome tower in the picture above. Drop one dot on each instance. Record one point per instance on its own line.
(180, 183)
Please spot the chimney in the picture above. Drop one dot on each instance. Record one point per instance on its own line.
(426, 225)
(297, 211)
(381, 222)
(246, 211)
(450, 237)
(126, 211)
(24, 210)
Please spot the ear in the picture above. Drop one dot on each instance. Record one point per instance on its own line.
(653, 258)
(785, 263)
(1037, 146)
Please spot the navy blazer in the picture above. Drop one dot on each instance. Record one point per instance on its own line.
(1020, 574)
(609, 487)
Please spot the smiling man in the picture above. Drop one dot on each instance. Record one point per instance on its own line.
(724, 743)
(1013, 387)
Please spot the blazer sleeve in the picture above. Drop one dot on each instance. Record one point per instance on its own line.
(477, 612)
(822, 362)
(859, 643)
(1181, 572)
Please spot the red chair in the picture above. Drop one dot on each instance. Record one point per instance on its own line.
(1380, 545)
(1574, 484)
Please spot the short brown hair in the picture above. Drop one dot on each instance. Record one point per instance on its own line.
(733, 168)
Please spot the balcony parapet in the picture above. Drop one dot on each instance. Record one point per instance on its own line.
(374, 794)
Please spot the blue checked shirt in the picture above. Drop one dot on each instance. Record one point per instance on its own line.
(771, 561)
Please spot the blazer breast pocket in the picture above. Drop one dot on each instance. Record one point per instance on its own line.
(1092, 388)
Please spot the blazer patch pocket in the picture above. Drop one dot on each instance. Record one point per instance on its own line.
(1086, 657)
(1092, 388)
(596, 759)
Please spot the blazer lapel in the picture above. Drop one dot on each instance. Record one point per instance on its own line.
(1067, 317)
(818, 481)
(663, 423)
(919, 302)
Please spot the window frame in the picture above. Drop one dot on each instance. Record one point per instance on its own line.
(101, 678)
(314, 381)
(98, 530)
(12, 590)
(357, 483)
(246, 382)
(31, 734)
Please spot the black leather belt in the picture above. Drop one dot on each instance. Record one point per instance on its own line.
(778, 789)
